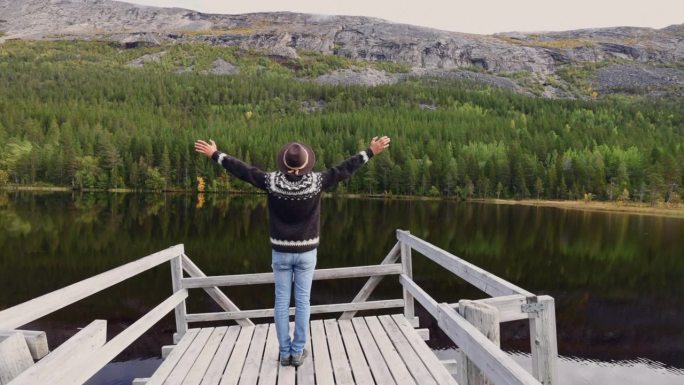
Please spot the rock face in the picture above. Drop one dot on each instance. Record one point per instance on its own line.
(364, 77)
(153, 57)
(280, 34)
(635, 78)
(222, 67)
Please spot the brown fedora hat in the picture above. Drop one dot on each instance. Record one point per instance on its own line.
(295, 159)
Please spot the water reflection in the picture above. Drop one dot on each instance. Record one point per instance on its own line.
(580, 371)
(616, 277)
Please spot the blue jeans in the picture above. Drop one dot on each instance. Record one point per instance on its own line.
(286, 268)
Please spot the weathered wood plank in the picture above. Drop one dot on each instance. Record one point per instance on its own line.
(509, 306)
(316, 309)
(218, 363)
(15, 357)
(484, 318)
(340, 364)
(35, 340)
(163, 371)
(28, 311)
(237, 359)
(166, 349)
(424, 334)
(72, 351)
(121, 341)
(305, 373)
(140, 381)
(389, 353)
(250, 370)
(182, 368)
(431, 361)
(414, 364)
(476, 276)
(269, 366)
(287, 374)
(214, 292)
(179, 311)
(376, 362)
(543, 342)
(264, 278)
(407, 269)
(372, 282)
(357, 360)
(321, 356)
(495, 363)
(451, 365)
(199, 368)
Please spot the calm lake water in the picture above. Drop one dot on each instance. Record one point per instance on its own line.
(617, 278)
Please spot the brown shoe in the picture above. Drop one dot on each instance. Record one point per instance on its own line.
(297, 359)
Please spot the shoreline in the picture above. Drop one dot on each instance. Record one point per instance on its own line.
(676, 211)
(600, 206)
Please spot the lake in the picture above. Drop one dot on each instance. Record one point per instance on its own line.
(616, 278)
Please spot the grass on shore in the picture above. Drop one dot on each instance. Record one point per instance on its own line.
(673, 210)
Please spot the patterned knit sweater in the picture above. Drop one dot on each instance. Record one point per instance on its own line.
(294, 202)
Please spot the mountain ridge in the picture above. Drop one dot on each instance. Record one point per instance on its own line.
(635, 54)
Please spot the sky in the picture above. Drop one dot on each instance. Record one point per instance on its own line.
(472, 16)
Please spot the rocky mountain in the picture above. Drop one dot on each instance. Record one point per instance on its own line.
(575, 63)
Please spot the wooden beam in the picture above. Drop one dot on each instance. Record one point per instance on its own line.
(495, 363)
(316, 309)
(68, 355)
(81, 372)
(476, 276)
(15, 357)
(214, 292)
(407, 269)
(36, 341)
(263, 278)
(451, 366)
(509, 307)
(31, 310)
(372, 282)
(485, 318)
(180, 310)
(424, 333)
(543, 341)
(420, 295)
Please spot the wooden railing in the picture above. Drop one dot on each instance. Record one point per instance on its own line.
(508, 303)
(68, 364)
(84, 354)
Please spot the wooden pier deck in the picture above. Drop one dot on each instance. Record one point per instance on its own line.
(364, 350)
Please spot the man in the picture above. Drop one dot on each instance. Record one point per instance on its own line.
(294, 208)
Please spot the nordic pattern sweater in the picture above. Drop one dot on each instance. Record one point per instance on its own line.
(294, 202)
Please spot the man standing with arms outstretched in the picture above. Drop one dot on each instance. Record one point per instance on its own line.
(294, 209)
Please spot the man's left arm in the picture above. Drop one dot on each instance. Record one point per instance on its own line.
(344, 170)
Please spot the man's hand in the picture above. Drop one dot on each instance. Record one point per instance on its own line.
(378, 145)
(205, 148)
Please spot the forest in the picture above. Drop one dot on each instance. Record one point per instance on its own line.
(77, 114)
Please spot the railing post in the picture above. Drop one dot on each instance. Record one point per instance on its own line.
(485, 318)
(407, 265)
(543, 342)
(180, 312)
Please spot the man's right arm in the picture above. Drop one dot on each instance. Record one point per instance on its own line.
(240, 169)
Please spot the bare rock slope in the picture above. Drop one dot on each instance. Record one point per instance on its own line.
(495, 58)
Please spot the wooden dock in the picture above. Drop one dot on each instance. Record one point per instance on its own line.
(385, 349)
(363, 350)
